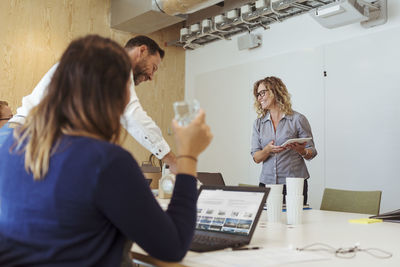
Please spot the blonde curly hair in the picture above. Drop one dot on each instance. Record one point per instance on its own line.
(279, 92)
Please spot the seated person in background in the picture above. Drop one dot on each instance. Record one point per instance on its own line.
(5, 115)
(69, 195)
(277, 122)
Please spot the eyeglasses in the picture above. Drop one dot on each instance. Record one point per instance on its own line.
(261, 93)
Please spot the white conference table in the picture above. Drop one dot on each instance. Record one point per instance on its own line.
(318, 226)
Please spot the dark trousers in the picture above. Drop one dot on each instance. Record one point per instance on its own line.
(305, 191)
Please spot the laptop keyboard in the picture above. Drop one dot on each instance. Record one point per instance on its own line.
(202, 243)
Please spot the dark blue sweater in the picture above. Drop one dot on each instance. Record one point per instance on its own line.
(92, 200)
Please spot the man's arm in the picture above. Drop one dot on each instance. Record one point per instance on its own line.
(139, 125)
(135, 120)
(30, 101)
(170, 160)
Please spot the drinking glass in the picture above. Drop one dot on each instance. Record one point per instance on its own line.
(186, 111)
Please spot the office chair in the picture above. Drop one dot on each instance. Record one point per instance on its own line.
(366, 202)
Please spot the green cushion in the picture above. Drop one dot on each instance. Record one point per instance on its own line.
(366, 202)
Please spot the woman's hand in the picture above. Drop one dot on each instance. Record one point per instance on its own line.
(267, 151)
(299, 148)
(271, 148)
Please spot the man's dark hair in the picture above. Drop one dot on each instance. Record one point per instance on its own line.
(144, 40)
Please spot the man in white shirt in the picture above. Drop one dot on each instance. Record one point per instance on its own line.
(145, 55)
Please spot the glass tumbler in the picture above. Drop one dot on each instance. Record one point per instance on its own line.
(186, 111)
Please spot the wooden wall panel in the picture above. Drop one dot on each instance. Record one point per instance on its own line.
(34, 34)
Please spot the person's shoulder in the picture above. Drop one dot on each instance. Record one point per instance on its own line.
(96, 148)
(300, 119)
(6, 138)
(257, 122)
(260, 119)
(53, 69)
(106, 147)
(299, 116)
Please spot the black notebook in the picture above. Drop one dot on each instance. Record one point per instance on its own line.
(227, 216)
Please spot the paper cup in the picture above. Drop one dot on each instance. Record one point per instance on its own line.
(294, 186)
(263, 217)
(274, 208)
(294, 209)
(276, 189)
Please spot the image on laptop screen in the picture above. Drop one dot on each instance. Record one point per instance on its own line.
(227, 211)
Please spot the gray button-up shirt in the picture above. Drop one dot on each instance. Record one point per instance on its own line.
(287, 163)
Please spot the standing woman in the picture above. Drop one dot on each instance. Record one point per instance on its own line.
(277, 122)
(69, 194)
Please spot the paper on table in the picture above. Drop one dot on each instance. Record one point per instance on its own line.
(259, 258)
(365, 220)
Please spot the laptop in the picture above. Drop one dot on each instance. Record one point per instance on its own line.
(227, 216)
(210, 178)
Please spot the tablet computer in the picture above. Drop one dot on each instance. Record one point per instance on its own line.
(297, 140)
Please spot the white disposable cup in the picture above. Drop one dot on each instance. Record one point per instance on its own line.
(274, 208)
(276, 189)
(294, 186)
(294, 209)
(263, 216)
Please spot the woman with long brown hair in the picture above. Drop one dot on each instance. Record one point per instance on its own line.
(277, 122)
(69, 194)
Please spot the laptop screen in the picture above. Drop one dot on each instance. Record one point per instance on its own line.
(229, 211)
(210, 178)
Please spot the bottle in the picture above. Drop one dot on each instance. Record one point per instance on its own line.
(166, 183)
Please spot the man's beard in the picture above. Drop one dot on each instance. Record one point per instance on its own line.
(137, 78)
(138, 74)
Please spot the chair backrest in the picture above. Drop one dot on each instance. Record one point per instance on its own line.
(366, 202)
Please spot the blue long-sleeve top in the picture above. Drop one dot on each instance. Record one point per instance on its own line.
(92, 200)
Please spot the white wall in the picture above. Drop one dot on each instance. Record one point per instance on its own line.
(353, 111)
